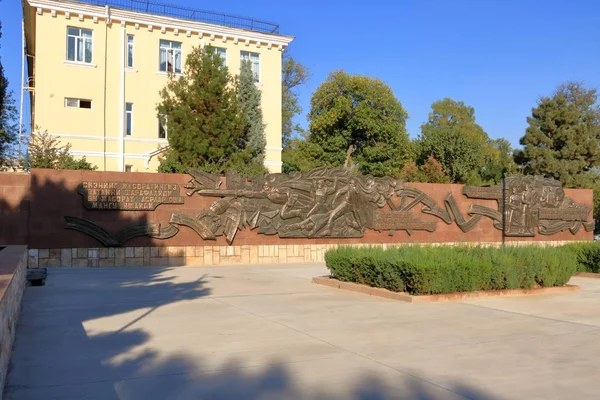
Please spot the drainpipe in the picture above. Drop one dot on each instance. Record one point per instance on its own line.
(107, 9)
(23, 60)
(122, 101)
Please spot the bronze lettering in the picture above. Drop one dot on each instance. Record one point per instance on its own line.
(400, 220)
(572, 214)
(128, 195)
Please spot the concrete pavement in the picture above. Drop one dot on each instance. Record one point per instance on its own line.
(267, 332)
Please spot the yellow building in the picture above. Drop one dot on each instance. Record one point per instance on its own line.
(95, 72)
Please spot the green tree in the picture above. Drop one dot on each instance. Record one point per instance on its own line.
(8, 116)
(432, 171)
(206, 129)
(169, 163)
(563, 135)
(300, 155)
(357, 121)
(45, 151)
(452, 137)
(293, 74)
(248, 97)
(499, 162)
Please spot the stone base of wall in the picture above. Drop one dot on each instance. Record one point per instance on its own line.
(13, 270)
(204, 255)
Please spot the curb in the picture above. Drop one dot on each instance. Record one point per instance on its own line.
(590, 275)
(435, 298)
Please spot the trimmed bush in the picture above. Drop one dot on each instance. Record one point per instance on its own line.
(587, 255)
(422, 270)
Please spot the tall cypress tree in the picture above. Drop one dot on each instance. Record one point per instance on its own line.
(249, 100)
(205, 127)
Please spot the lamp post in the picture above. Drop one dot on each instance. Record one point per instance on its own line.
(503, 204)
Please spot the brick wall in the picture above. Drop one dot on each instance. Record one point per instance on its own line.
(14, 207)
(34, 207)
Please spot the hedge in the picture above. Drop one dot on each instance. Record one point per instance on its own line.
(422, 270)
(587, 255)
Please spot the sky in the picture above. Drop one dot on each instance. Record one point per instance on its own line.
(498, 56)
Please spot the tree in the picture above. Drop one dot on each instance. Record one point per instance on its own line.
(45, 151)
(563, 135)
(356, 120)
(206, 129)
(169, 163)
(8, 116)
(293, 74)
(499, 162)
(452, 137)
(248, 97)
(430, 172)
(300, 155)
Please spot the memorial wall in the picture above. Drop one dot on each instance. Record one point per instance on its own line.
(89, 218)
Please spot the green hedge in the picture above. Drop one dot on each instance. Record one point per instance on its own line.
(433, 270)
(587, 255)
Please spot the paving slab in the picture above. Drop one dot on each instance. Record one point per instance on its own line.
(267, 332)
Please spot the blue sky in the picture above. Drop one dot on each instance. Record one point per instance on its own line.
(498, 56)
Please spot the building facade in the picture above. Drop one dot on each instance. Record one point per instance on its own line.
(95, 72)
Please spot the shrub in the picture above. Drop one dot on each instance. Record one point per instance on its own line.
(587, 255)
(435, 270)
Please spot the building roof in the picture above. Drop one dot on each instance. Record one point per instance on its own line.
(169, 10)
(161, 16)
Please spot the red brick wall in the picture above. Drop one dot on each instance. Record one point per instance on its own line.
(53, 195)
(14, 208)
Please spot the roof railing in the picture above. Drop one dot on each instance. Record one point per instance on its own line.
(209, 17)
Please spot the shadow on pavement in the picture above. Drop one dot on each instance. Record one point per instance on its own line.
(58, 355)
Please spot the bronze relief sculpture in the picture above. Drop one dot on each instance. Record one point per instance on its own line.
(337, 203)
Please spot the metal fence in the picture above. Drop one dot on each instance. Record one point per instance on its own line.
(169, 10)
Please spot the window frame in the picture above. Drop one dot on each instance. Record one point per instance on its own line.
(130, 50)
(170, 50)
(256, 74)
(224, 56)
(66, 103)
(129, 119)
(76, 45)
(128, 166)
(164, 128)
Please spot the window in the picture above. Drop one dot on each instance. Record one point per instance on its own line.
(162, 127)
(255, 61)
(78, 103)
(170, 56)
(128, 119)
(222, 53)
(129, 51)
(79, 45)
(128, 168)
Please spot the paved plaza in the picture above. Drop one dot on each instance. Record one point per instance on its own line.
(267, 332)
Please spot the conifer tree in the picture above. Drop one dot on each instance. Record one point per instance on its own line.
(200, 111)
(248, 96)
(563, 136)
